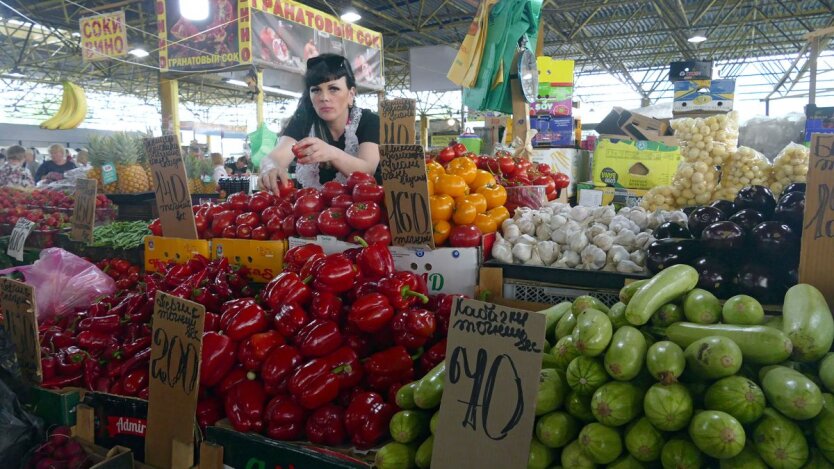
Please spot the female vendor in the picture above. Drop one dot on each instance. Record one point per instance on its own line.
(329, 136)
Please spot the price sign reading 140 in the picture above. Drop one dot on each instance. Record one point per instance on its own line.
(172, 196)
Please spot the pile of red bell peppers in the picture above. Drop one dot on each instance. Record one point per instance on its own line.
(106, 346)
(323, 350)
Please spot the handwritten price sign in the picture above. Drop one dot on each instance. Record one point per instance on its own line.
(84, 212)
(397, 118)
(177, 340)
(818, 232)
(404, 179)
(17, 301)
(171, 186)
(493, 360)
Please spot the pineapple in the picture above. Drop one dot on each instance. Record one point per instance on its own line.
(99, 154)
(126, 150)
(196, 168)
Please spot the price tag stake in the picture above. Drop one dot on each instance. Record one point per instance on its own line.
(17, 240)
(84, 212)
(406, 187)
(170, 183)
(17, 300)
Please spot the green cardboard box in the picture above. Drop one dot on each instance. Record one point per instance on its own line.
(55, 407)
(634, 164)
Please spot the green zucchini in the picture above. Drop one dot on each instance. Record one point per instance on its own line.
(409, 425)
(665, 287)
(581, 303)
(424, 452)
(792, 393)
(807, 321)
(552, 316)
(405, 396)
(628, 291)
(759, 344)
(429, 390)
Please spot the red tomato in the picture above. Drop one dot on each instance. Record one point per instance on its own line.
(277, 235)
(332, 189)
(243, 232)
(288, 226)
(332, 222)
(275, 224)
(238, 201)
(285, 208)
(446, 155)
(342, 201)
(260, 201)
(547, 182)
(543, 168)
(249, 219)
(286, 189)
(306, 191)
(561, 180)
(306, 226)
(460, 149)
(260, 233)
(357, 178)
(271, 212)
(368, 192)
(465, 236)
(378, 234)
(483, 162)
(507, 165)
(363, 215)
(308, 204)
(229, 232)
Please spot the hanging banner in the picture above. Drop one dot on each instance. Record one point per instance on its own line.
(103, 36)
(285, 34)
(210, 44)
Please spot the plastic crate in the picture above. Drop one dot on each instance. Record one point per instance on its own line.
(523, 290)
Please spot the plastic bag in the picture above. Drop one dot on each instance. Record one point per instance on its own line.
(790, 165)
(261, 142)
(63, 281)
(19, 429)
(745, 167)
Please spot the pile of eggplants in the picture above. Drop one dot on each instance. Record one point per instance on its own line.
(746, 246)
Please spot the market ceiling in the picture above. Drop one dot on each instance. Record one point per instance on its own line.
(601, 35)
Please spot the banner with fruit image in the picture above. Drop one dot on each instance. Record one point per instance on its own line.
(286, 34)
(211, 44)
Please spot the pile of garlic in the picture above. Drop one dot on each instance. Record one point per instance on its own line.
(790, 165)
(559, 235)
(745, 167)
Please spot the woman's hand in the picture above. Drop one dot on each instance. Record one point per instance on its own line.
(315, 150)
(270, 179)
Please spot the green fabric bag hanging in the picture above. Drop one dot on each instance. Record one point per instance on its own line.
(261, 142)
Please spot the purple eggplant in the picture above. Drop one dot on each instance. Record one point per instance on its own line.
(664, 253)
(759, 198)
(747, 219)
(761, 282)
(726, 206)
(794, 187)
(790, 210)
(672, 229)
(703, 217)
(723, 236)
(714, 275)
(775, 240)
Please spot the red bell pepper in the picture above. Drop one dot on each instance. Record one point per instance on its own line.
(318, 338)
(177, 275)
(392, 361)
(49, 366)
(71, 361)
(432, 357)
(217, 358)
(58, 382)
(212, 322)
(402, 290)
(277, 366)
(140, 359)
(367, 419)
(253, 350)
(337, 274)
(313, 266)
(103, 324)
(314, 383)
(95, 342)
(326, 426)
(348, 369)
(284, 419)
(93, 369)
(245, 406)
(56, 339)
(362, 288)
(443, 311)
(325, 305)
(359, 342)
(242, 317)
(289, 319)
(374, 261)
(413, 327)
(384, 383)
(134, 381)
(236, 375)
(207, 298)
(296, 257)
(370, 313)
(287, 287)
(209, 411)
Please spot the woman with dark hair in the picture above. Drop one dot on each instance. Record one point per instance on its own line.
(328, 136)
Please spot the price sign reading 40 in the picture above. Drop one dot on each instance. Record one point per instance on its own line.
(170, 184)
(403, 169)
(493, 362)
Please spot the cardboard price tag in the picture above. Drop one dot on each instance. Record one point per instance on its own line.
(174, 376)
(404, 179)
(171, 186)
(17, 240)
(17, 300)
(493, 360)
(84, 212)
(397, 118)
(818, 232)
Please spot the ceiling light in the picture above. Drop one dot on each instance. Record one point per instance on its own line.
(280, 91)
(232, 81)
(194, 10)
(451, 121)
(697, 38)
(14, 73)
(350, 15)
(76, 34)
(139, 52)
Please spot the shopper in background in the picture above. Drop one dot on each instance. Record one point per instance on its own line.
(219, 167)
(30, 163)
(82, 158)
(331, 137)
(241, 166)
(12, 172)
(58, 164)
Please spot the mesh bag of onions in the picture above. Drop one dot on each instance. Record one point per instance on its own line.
(790, 165)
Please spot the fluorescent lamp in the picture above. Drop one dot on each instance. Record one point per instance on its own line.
(232, 81)
(139, 52)
(14, 73)
(76, 34)
(451, 121)
(291, 94)
(350, 15)
(194, 10)
(697, 38)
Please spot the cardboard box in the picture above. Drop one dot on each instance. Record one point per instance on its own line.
(620, 123)
(591, 195)
(634, 164)
(264, 259)
(818, 120)
(704, 96)
(161, 249)
(54, 406)
(553, 100)
(553, 131)
(690, 70)
(555, 72)
(575, 163)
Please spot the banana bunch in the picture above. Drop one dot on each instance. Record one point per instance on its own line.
(73, 109)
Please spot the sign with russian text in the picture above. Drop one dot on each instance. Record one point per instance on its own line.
(17, 300)
(404, 180)
(210, 44)
(818, 232)
(171, 187)
(103, 36)
(493, 360)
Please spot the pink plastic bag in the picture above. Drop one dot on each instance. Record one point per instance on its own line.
(63, 281)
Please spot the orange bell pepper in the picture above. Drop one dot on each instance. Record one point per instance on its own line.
(463, 167)
(486, 223)
(495, 194)
(441, 206)
(482, 178)
(499, 214)
(451, 185)
(478, 200)
(465, 213)
(441, 232)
